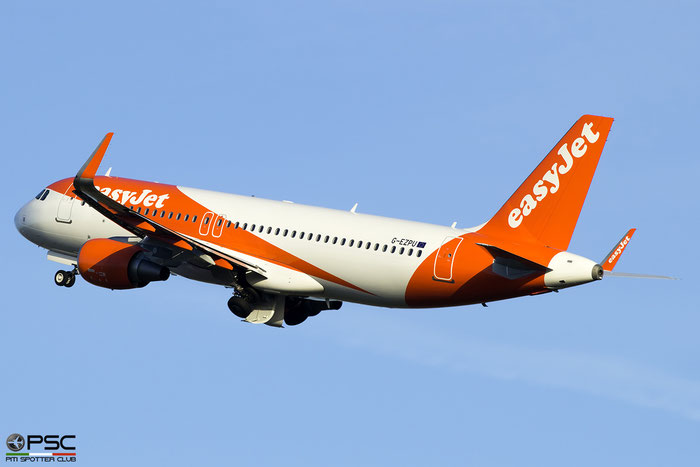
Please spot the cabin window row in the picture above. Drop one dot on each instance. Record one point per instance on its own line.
(162, 213)
(309, 236)
(334, 240)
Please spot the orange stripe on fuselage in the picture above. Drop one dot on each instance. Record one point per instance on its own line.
(473, 280)
(168, 198)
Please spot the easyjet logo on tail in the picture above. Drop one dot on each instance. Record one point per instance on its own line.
(550, 181)
(619, 249)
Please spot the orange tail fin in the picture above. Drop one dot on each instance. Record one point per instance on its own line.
(545, 208)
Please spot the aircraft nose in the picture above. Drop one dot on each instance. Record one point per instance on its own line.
(21, 220)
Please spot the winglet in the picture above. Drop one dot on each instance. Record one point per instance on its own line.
(89, 169)
(611, 260)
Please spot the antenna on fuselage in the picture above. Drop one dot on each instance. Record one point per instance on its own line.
(354, 208)
(109, 171)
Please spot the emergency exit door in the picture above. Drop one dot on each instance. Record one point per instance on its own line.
(444, 261)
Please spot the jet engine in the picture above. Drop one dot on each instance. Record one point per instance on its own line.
(116, 265)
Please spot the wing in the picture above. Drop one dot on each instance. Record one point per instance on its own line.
(142, 226)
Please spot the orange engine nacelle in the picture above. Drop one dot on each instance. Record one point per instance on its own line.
(116, 265)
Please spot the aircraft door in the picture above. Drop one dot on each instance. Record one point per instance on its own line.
(444, 261)
(65, 206)
(218, 227)
(204, 226)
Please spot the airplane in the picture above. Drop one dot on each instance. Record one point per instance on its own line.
(286, 262)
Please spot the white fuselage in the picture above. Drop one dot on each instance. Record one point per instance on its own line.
(377, 254)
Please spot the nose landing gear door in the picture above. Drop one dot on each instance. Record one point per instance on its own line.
(65, 206)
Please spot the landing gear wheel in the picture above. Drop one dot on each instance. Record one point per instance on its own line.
(61, 277)
(295, 315)
(70, 281)
(251, 295)
(240, 307)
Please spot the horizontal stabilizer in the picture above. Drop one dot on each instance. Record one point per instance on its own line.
(613, 257)
(512, 266)
(639, 276)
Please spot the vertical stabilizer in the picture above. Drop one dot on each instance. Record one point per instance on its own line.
(545, 208)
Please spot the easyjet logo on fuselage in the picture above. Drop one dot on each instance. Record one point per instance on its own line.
(550, 181)
(133, 198)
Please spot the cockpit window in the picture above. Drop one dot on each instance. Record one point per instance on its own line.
(42, 196)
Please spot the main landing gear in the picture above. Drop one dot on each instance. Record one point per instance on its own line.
(65, 278)
(295, 310)
(242, 305)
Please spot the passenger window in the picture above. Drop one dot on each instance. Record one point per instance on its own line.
(187, 217)
(410, 252)
(359, 244)
(401, 250)
(155, 211)
(419, 253)
(318, 237)
(235, 226)
(228, 224)
(145, 213)
(170, 216)
(162, 214)
(376, 246)
(260, 229)
(325, 240)
(194, 218)
(177, 218)
(384, 249)
(351, 242)
(294, 233)
(285, 232)
(393, 249)
(335, 240)
(269, 230)
(138, 209)
(206, 220)
(245, 226)
(369, 244)
(277, 231)
(219, 222)
(342, 242)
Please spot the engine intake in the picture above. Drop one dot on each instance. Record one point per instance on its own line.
(116, 265)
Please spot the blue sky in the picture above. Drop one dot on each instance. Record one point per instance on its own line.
(431, 111)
